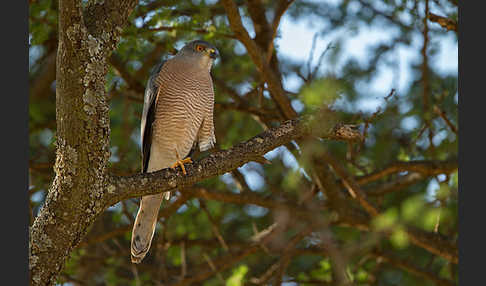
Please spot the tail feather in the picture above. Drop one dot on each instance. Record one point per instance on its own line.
(144, 226)
(146, 220)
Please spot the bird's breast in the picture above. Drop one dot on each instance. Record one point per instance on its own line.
(181, 104)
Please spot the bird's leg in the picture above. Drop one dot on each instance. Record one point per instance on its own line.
(181, 163)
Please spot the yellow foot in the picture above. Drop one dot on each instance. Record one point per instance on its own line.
(181, 163)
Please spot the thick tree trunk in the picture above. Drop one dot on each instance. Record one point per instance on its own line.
(73, 201)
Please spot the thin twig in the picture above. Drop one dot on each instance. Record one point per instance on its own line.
(211, 264)
(443, 115)
(412, 268)
(444, 22)
(287, 253)
(283, 5)
(351, 185)
(183, 260)
(424, 167)
(371, 118)
(214, 227)
(319, 61)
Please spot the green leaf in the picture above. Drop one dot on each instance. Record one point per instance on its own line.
(237, 278)
(385, 220)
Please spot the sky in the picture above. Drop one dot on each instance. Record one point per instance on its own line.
(295, 42)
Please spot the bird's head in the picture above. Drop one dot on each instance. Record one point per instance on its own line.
(200, 51)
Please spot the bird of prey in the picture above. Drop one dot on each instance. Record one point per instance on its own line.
(177, 115)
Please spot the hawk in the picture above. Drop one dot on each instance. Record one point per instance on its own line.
(177, 115)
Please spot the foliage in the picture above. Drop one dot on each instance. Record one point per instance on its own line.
(414, 124)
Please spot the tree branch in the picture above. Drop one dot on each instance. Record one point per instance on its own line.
(428, 168)
(47, 74)
(395, 185)
(257, 55)
(218, 163)
(287, 253)
(228, 260)
(444, 22)
(283, 5)
(409, 267)
(131, 80)
(432, 242)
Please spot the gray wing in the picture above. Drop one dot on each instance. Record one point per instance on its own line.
(148, 115)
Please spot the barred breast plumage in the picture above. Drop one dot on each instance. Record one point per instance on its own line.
(178, 111)
(185, 100)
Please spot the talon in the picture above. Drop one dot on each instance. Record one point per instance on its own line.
(181, 163)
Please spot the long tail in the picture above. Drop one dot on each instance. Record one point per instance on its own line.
(144, 226)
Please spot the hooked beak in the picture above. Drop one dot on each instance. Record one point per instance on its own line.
(213, 53)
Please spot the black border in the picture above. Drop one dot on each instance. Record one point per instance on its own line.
(15, 144)
(472, 216)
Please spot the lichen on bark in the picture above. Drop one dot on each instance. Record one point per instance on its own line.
(74, 199)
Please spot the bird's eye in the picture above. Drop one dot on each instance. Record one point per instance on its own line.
(199, 48)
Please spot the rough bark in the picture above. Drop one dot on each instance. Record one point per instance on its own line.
(72, 203)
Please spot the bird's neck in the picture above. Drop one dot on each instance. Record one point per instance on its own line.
(196, 65)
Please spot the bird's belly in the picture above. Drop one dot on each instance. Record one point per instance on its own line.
(174, 133)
